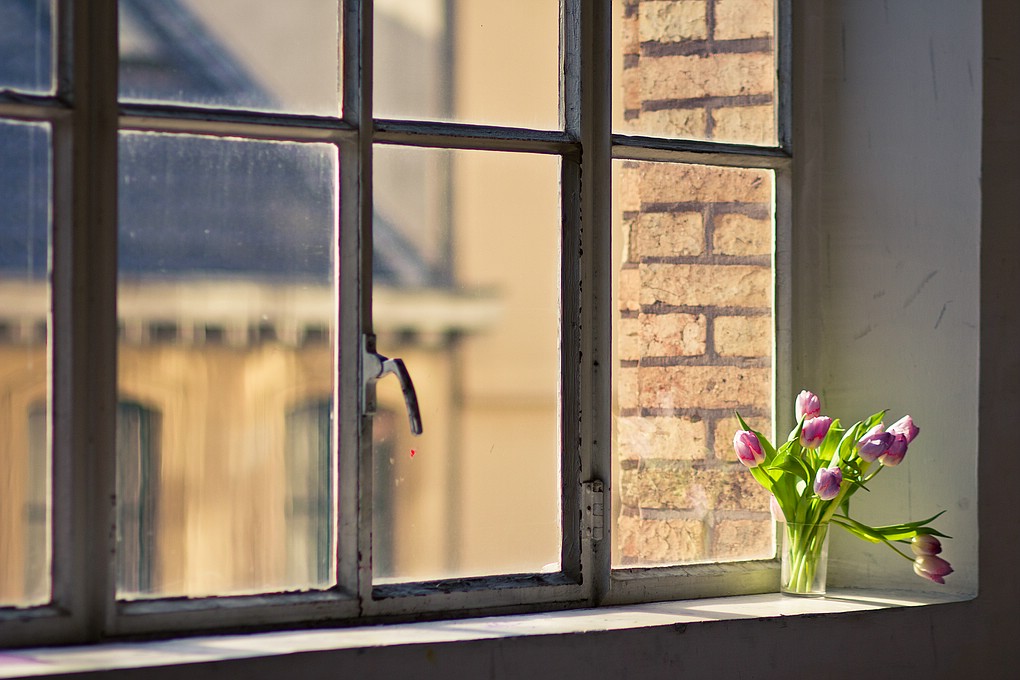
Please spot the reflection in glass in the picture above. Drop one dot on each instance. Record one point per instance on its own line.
(699, 69)
(26, 46)
(472, 61)
(226, 308)
(466, 290)
(271, 56)
(693, 342)
(25, 513)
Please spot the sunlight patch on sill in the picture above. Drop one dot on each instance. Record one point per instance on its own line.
(123, 655)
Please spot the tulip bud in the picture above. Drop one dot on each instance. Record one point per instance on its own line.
(748, 448)
(925, 544)
(893, 456)
(874, 443)
(906, 427)
(932, 568)
(827, 482)
(808, 405)
(814, 431)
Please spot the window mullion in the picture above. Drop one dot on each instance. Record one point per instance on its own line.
(85, 326)
(355, 509)
(587, 329)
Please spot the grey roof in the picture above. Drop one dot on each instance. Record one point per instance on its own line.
(196, 205)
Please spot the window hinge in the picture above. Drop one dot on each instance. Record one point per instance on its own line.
(593, 509)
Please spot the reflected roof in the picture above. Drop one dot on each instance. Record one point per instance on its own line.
(176, 220)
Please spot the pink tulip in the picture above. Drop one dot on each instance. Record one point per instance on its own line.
(808, 405)
(893, 456)
(925, 544)
(827, 482)
(932, 568)
(874, 443)
(906, 427)
(814, 431)
(748, 448)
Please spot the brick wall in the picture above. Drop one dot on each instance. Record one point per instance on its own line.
(695, 284)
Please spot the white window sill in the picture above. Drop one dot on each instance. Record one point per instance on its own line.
(136, 655)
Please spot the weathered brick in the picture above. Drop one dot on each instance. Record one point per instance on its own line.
(736, 234)
(630, 41)
(692, 77)
(680, 438)
(725, 428)
(667, 234)
(745, 125)
(676, 182)
(673, 20)
(736, 489)
(699, 284)
(632, 88)
(673, 541)
(711, 387)
(628, 187)
(743, 336)
(627, 393)
(690, 123)
(629, 345)
(670, 335)
(743, 539)
(630, 289)
(736, 19)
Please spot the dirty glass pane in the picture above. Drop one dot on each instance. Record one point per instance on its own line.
(226, 307)
(25, 513)
(26, 46)
(466, 279)
(693, 343)
(270, 56)
(696, 69)
(468, 61)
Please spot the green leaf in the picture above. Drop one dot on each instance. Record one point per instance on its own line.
(793, 465)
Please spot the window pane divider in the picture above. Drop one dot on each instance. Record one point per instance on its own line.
(638, 148)
(477, 137)
(176, 118)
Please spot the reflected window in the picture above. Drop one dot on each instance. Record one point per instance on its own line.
(138, 460)
(309, 495)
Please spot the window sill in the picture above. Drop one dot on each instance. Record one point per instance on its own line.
(100, 658)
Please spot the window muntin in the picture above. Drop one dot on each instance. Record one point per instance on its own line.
(585, 304)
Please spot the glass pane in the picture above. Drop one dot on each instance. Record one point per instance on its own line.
(697, 69)
(466, 290)
(24, 374)
(26, 47)
(226, 308)
(693, 343)
(270, 56)
(471, 61)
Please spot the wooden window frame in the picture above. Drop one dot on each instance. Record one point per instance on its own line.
(85, 117)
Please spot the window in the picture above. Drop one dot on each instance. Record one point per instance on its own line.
(581, 289)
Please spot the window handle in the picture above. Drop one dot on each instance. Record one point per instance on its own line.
(375, 367)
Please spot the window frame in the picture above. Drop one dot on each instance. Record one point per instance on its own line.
(86, 116)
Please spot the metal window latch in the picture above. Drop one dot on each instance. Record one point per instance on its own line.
(375, 366)
(593, 509)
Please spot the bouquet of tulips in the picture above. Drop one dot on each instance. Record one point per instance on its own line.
(814, 474)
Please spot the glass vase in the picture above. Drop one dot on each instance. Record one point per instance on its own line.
(805, 558)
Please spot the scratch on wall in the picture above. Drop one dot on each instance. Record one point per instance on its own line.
(917, 291)
(942, 313)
